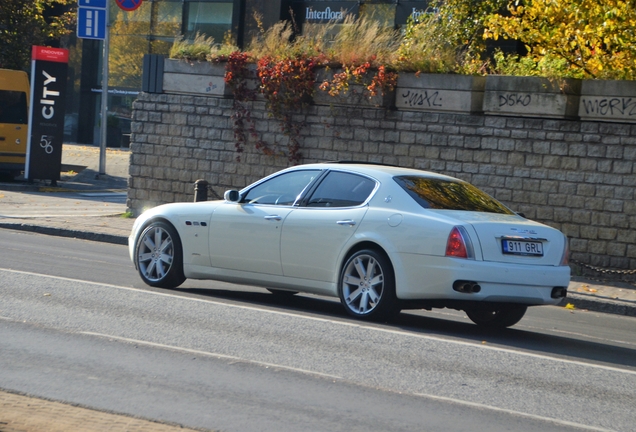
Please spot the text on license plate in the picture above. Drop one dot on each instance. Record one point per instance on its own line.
(517, 247)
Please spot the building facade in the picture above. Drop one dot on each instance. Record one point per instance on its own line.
(153, 28)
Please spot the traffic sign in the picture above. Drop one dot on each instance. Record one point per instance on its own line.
(91, 22)
(128, 5)
(100, 4)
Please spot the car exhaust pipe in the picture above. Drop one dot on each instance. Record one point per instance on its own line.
(559, 292)
(466, 287)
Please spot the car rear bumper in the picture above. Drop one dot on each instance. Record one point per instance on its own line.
(429, 277)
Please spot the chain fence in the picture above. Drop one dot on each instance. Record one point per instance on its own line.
(600, 274)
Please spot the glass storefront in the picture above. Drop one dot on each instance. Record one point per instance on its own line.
(150, 29)
(211, 19)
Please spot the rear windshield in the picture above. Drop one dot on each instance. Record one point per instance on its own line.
(13, 107)
(442, 194)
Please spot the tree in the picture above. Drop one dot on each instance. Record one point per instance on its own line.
(590, 38)
(133, 34)
(24, 23)
(448, 37)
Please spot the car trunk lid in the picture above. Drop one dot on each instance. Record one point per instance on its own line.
(514, 239)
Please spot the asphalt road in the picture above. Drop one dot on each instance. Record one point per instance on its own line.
(77, 325)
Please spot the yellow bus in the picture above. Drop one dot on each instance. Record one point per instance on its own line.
(14, 115)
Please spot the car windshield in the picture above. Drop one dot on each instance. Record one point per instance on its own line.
(443, 194)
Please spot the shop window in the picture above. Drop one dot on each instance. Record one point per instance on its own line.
(209, 18)
(382, 13)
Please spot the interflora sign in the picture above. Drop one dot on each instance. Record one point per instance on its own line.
(49, 68)
(320, 12)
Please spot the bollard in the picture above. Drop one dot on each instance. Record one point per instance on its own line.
(200, 190)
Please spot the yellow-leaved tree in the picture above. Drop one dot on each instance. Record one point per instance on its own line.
(578, 38)
(133, 34)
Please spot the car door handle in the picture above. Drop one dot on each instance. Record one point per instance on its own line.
(273, 217)
(349, 222)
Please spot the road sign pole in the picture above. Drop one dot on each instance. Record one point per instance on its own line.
(102, 144)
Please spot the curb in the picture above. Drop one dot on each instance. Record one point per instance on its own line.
(10, 187)
(61, 232)
(600, 304)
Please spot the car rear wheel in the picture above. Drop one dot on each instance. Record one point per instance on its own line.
(497, 317)
(367, 286)
(159, 256)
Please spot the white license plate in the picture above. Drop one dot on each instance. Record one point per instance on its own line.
(517, 247)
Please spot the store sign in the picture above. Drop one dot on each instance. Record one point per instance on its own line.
(324, 15)
(325, 12)
(411, 9)
(49, 67)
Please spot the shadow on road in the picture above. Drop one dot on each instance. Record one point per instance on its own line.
(417, 322)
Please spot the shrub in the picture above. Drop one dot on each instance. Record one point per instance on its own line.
(202, 48)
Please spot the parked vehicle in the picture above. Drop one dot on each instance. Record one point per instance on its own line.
(14, 114)
(380, 238)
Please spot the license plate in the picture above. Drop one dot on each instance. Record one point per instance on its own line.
(517, 247)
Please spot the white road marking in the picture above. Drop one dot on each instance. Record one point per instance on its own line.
(515, 413)
(211, 354)
(342, 323)
(334, 377)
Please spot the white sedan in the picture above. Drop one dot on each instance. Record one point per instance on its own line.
(380, 238)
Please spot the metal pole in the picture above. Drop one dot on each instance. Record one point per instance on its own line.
(102, 144)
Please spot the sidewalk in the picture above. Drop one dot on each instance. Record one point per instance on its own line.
(89, 206)
(19, 413)
(84, 204)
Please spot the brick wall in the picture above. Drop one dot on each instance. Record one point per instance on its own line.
(575, 176)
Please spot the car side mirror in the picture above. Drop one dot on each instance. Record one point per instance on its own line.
(231, 196)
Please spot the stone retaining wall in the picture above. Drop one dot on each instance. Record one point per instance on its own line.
(573, 175)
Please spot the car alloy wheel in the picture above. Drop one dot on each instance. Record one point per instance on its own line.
(497, 317)
(159, 256)
(367, 286)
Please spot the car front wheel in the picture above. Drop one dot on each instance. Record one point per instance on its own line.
(367, 286)
(497, 317)
(159, 256)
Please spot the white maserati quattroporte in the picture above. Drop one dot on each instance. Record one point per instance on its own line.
(380, 238)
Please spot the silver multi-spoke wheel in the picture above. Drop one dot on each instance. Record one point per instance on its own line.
(367, 285)
(159, 256)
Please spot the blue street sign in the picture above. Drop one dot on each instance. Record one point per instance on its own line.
(101, 4)
(91, 22)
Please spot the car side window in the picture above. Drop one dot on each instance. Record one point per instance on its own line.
(281, 190)
(340, 189)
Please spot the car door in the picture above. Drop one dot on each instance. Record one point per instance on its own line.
(315, 233)
(245, 236)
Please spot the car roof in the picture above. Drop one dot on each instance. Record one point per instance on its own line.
(375, 170)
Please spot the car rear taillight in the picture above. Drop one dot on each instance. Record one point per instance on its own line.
(459, 244)
(565, 259)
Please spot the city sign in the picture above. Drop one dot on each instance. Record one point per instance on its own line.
(49, 68)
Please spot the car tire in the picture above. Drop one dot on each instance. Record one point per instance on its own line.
(497, 317)
(159, 256)
(367, 286)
